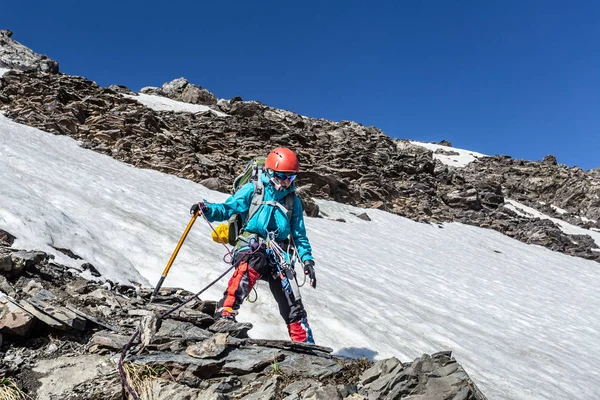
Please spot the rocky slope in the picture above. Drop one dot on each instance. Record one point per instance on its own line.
(52, 316)
(63, 335)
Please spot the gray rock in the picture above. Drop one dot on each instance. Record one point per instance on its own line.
(550, 159)
(364, 216)
(55, 316)
(122, 89)
(14, 320)
(309, 366)
(6, 264)
(104, 296)
(14, 55)
(245, 109)
(198, 95)
(319, 391)
(180, 359)
(210, 348)
(465, 199)
(289, 345)
(381, 367)
(148, 327)
(212, 184)
(268, 391)
(185, 314)
(170, 328)
(247, 360)
(94, 321)
(21, 260)
(163, 389)
(110, 341)
(150, 90)
(235, 329)
(57, 376)
(6, 239)
(77, 287)
(33, 288)
(447, 152)
(5, 285)
(182, 90)
(297, 387)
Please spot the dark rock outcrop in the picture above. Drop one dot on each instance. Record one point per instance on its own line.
(14, 55)
(182, 90)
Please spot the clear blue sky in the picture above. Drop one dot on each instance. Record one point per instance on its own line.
(514, 77)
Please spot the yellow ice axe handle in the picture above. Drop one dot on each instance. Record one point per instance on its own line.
(168, 267)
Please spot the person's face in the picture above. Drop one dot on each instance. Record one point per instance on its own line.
(285, 179)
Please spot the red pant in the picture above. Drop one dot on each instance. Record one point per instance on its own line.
(254, 266)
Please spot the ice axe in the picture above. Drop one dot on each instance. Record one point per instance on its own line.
(168, 267)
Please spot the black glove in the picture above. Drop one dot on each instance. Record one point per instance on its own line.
(309, 269)
(200, 206)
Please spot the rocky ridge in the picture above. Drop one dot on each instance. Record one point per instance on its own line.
(61, 336)
(345, 162)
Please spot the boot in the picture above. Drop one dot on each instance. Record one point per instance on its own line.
(300, 331)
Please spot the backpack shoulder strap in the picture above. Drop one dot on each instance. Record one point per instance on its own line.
(288, 208)
(257, 198)
(289, 204)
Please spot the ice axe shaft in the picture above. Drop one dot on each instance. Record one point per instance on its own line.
(170, 263)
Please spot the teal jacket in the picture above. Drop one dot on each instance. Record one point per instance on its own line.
(268, 218)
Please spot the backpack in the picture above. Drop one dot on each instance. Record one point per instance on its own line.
(251, 173)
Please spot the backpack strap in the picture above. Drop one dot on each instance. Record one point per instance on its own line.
(257, 198)
(289, 204)
(258, 201)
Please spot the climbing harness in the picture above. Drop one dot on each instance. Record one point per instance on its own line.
(285, 269)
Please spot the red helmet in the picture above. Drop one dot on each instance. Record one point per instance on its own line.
(282, 159)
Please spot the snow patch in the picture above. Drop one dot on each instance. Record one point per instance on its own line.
(159, 103)
(3, 71)
(558, 209)
(462, 159)
(567, 228)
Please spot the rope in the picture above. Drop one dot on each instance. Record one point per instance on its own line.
(255, 294)
(296, 256)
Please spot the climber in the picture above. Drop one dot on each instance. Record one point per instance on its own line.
(268, 217)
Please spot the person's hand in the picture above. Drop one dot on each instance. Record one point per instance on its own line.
(200, 206)
(309, 269)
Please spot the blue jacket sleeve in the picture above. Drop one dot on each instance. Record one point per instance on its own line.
(299, 232)
(238, 203)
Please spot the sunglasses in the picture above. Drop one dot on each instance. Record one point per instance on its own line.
(282, 176)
